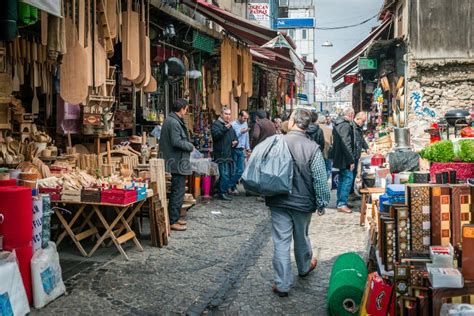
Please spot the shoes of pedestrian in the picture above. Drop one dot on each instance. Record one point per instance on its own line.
(225, 197)
(260, 199)
(182, 221)
(313, 265)
(344, 209)
(278, 292)
(178, 227)
(321, 211)
(233, 192)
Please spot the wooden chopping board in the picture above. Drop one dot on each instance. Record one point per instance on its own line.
(142, 48)
(73, 74)
(111, 11)
(130, 46)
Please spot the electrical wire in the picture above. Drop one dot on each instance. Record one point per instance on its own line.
(346, 26)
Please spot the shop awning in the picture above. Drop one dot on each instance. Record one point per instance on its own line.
(310, 67)
(236, 25)
(348, 63)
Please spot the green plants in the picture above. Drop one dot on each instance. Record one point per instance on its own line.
(466, 150)
(442, 151)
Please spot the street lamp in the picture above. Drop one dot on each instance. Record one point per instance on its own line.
(327, 44)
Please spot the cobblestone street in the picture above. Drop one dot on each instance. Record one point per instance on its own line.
(220, 266)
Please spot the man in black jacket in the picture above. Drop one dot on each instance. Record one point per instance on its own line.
(314, 132)
(343, 157)
(175, 148)
(224, 139)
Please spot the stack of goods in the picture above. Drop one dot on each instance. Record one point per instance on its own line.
(396, 193)
(415, 236)
(346, 285)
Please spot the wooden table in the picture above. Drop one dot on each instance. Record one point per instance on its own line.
(363, 207)
(111, 231)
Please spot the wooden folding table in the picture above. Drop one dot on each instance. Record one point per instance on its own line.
(111, 230)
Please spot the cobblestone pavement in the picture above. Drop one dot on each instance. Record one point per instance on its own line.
(220, 266)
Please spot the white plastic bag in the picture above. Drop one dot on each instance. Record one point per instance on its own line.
(46, 276)
(13, 300)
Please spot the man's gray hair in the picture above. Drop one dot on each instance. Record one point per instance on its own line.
(225, 109)
(302, 118)
(322, 119)
(360, 115)
(348, 111)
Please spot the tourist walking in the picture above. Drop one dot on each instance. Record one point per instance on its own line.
(315, 133)
(343, 157)
(240, 151)
(262, 129)
(291, 213)
(224, 139)
(175, 148)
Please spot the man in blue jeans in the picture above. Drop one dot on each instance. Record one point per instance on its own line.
(243, 146)
(224, 138)
(343, 157)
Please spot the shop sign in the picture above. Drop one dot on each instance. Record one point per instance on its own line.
(259, 11)
(349, 79)
(293, 23)
(367, 63)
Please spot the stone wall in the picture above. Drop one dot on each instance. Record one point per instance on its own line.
(435, 88)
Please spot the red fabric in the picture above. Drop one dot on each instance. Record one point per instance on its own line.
(379, 297)
(24, 255)
(464, 170)
(17, 210)
(8, 183)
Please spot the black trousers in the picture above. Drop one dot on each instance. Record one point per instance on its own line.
(178, 189)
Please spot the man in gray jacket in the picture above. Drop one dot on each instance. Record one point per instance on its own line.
(291, 213)
(175, 148)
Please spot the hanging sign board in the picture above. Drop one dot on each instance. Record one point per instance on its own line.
(296, 23)
(259, 11)
(367, 63)
(51, 6)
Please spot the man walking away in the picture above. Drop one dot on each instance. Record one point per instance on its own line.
(175, 148)
(224, 138)
(240, 151)
(315, 133)
(360, 144)
(328, 141)
(343, 156)
(291, 213)
(262, 129)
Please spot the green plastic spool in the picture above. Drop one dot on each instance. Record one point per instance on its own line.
(347, 284)
(27, 14)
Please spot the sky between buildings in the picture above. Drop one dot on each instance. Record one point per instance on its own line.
(333, 13)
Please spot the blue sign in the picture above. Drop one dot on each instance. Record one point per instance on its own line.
(302, 97)
(293, 23)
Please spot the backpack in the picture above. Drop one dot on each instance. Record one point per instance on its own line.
(269, 170)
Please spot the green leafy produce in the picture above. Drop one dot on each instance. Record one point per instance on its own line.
(466, 150)
(442, 151)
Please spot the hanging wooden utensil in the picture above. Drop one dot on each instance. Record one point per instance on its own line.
(73, 73)
(44, 28)
(142, 47)
(147, 47)
(100, 56)
(400, 82)
(104, 29)
(131, 58)
(152, 86)
(35, 101)
(111, 11)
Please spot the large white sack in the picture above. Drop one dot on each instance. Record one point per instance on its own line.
(46, 276)
(13, 300)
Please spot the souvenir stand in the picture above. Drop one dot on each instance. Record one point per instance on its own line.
(73, 77)
(418, 209)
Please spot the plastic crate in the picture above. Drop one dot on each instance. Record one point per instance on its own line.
(118, 196)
